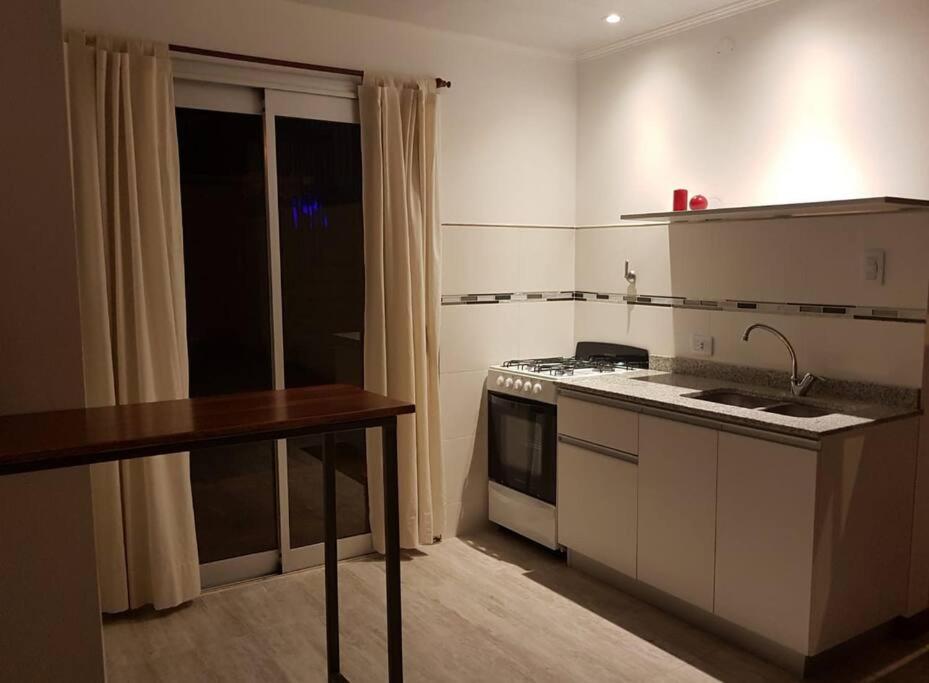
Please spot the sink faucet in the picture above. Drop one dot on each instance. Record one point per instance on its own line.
(798, 387)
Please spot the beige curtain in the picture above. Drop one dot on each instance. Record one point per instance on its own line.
(399, 155)
(133, 316)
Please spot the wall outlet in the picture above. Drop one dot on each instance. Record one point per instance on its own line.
(873, 266)
(701, 344)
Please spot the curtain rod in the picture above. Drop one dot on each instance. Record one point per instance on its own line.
(439, 82)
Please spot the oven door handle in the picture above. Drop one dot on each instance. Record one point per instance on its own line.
(597, 448)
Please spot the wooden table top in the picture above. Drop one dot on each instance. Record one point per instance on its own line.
(37, 441)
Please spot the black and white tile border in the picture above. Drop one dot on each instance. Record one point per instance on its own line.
(887, 314)
(506, 298)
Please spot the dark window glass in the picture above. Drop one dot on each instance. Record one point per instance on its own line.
(322, 287)
(228, 320)
(522, 444)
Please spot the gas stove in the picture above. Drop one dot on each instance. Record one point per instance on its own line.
(536, 378)
(522, 433)
(560, 367)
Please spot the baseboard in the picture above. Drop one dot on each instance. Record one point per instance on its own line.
(822, 662)
(911, 627)
(793, 662)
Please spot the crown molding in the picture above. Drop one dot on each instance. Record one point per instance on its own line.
(677, 27)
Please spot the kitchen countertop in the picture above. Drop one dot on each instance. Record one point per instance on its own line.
(669, 391)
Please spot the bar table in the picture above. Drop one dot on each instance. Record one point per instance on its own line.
(68, 438)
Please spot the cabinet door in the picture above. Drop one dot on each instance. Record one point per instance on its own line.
(597, 504)
(677, 509)
(764, 538)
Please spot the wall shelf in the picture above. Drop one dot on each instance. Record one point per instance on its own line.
(843, 207)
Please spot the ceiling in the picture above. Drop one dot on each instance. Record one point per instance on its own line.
(570, 27)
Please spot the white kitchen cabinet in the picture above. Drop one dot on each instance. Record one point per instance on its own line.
(766, 507)
(599, 423)
(804, 542)
(677, 509)
(864, 523)
(597, 503)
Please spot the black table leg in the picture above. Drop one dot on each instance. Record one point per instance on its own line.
(392, 552)
(331, 559)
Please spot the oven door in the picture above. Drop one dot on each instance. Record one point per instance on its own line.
(522, 439)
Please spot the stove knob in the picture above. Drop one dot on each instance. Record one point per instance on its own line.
(536, 388)
(509, 382)
(527, 387)
(518, 385)
(500, 380)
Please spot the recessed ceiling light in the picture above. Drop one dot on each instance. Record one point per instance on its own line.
(613, 19)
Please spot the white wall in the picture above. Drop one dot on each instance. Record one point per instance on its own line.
(818, 100)
(49, 611)
(507, 157)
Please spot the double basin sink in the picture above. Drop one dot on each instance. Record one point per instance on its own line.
(767, 404)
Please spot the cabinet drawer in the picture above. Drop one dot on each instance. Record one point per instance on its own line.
(597, 505)
(599, 423)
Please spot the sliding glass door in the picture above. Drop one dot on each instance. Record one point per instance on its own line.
(273, 238)
(319, 234)
(228, 332)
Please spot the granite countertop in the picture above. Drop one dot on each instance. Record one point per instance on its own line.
(669, 391)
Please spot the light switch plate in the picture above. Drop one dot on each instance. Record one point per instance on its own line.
(873, 266)
(701, 344)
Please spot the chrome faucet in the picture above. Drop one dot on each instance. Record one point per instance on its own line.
(798, 387)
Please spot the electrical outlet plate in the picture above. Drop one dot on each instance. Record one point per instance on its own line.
(873, 266)
(701, 344)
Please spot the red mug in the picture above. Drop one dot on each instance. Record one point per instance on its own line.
(680, 200)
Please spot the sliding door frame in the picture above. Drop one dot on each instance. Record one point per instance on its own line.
(236, 99)
(211, 84)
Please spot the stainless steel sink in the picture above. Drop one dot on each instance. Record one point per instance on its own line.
(796, 410)
(732, 397)
(767, 404)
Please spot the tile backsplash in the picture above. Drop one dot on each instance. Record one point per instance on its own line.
(803, 260)
(789, 263)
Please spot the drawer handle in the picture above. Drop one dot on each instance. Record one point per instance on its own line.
(597, 448)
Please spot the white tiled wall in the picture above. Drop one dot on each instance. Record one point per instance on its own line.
(479, 260)
(650, 327)
(476, 335)
(602, 251)
(546, 259)
(485, 260)
(801, 261)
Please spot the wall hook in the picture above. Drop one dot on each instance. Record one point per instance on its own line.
(629, 275)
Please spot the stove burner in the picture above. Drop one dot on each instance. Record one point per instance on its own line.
(559, 367)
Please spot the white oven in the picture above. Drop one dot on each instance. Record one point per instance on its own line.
(522, 433)
(522, 442)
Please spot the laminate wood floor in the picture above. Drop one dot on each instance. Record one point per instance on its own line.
(487, 608)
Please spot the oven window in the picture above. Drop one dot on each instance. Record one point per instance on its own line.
(521, 447)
